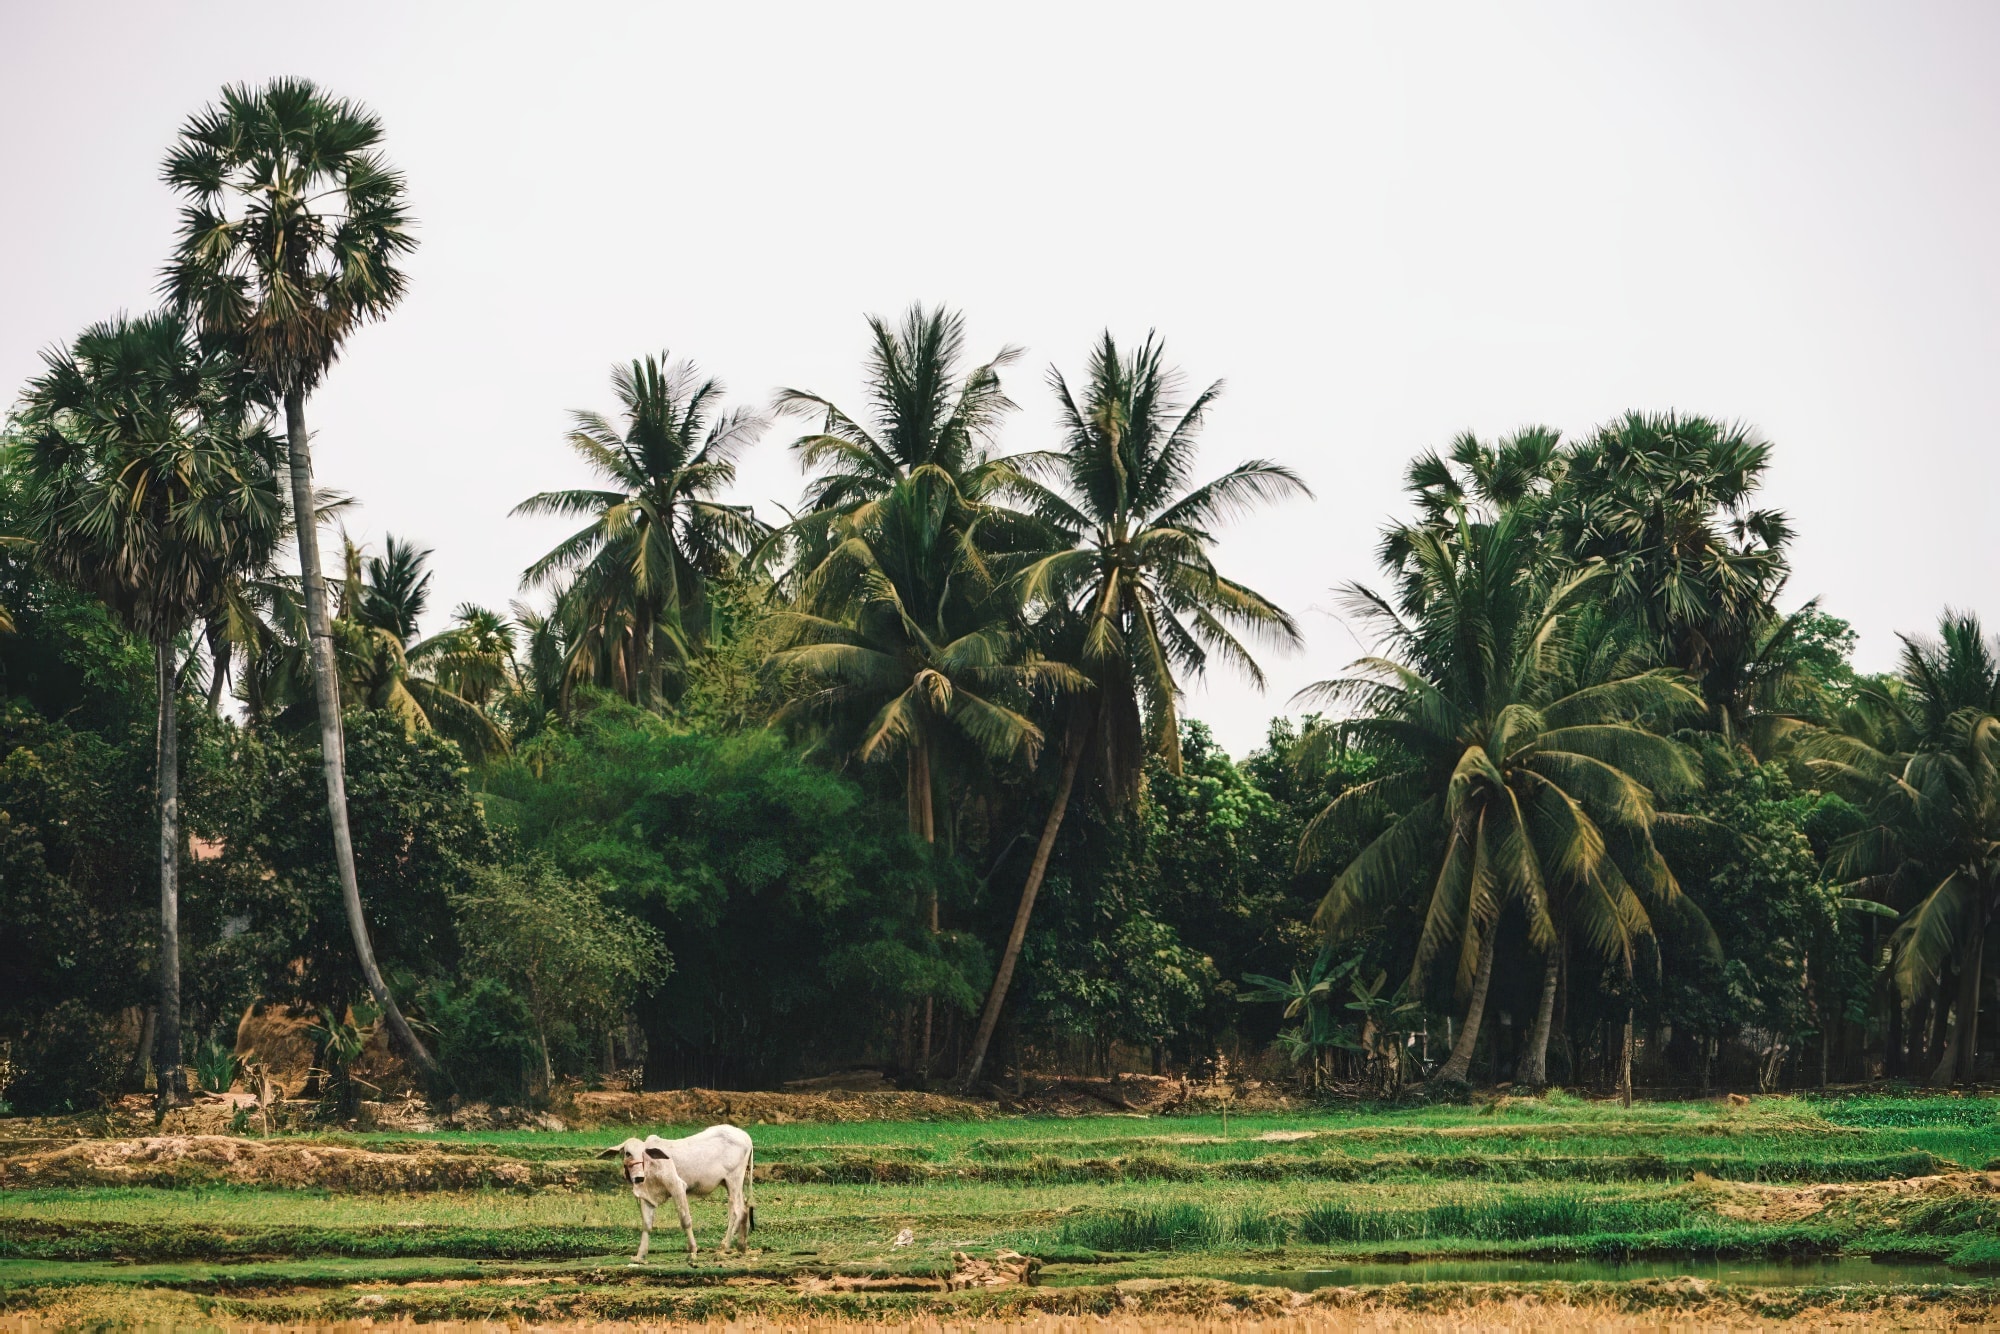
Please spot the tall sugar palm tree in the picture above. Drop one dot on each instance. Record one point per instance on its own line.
(1131, 583)
(291, 235)
(1508, 787)
(1923, 760)
(1668, 503)
(639, 572)
(150, 481)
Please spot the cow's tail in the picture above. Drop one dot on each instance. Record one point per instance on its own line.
(750, 1185)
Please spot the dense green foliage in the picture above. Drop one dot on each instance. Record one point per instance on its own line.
(906, 780)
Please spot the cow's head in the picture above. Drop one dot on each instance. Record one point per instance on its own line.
(634, 1153)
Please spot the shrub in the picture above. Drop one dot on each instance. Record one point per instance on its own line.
(215, 1067)
(68, 1062)
(485, 1037)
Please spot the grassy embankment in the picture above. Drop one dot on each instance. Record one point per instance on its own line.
(1118, 1211)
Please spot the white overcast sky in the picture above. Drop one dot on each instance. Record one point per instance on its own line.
(1381, 224)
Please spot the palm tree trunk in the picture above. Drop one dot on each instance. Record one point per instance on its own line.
(1534, 1072)
(142, 1055)
(1892, 1046)
(1961, 1043)
(1458, 1068)
(995, 998)
(923, 823)
(172, 1079)
(1625, 1062)
(333, 748)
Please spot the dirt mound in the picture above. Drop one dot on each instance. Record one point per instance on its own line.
(688, 1106)
(183, 1160)
(487, 1116)
(968, 1273)
(1142, 1095)
(1759, 1203)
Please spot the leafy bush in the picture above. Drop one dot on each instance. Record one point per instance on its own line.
(70, 1061)
(485, 1036)
(575, 962)
(215, 1067)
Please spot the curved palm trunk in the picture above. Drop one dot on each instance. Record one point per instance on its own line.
(1458, 1068)
(333, 749)
(1534, 1071)
(995, 998)
(171, 1077)
(1961, 1043)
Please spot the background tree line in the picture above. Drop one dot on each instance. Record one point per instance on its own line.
(905, 779)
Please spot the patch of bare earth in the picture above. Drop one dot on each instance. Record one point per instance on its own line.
(174, 1160)
(1759, 1203)
(688, 1106)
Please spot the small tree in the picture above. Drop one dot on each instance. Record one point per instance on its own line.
(576, 961)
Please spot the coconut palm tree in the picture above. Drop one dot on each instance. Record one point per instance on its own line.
(909, 651)
(924, 440)
(150, 481)
(1130, 585)
(1504, 786)
(395, 590)
(924, 411)
(903, 648)
(639, 572)
(386, 666)
(290, 240)
(1923, 760)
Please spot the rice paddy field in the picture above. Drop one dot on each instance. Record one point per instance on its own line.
(1828, 1210)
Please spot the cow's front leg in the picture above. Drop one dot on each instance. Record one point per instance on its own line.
(687, 1218)
(645, 1231)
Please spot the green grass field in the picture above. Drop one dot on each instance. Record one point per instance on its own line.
(1790, 1203)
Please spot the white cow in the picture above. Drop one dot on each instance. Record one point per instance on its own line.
(663, 1169)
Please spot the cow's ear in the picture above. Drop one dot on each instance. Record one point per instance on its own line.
(615, 1151)
(655, 1153)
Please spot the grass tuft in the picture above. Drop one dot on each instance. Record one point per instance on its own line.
(1168, 1227)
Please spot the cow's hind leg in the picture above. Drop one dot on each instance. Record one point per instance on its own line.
(735, 1231)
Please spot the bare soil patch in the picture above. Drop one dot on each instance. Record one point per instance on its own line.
(1756, 1202)
(686, 1106)
(177, 1160)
